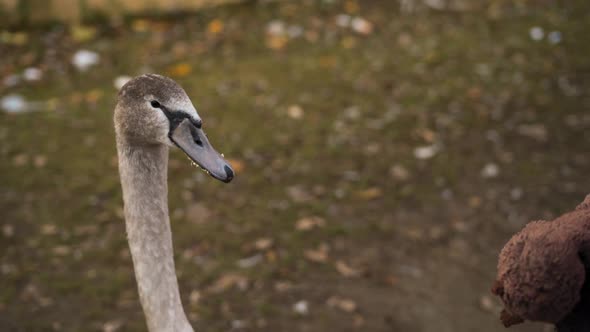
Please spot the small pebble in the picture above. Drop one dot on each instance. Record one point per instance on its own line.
(554, 37)
(84, 59)
(536, 33)
(425, 152)
(301, 308)
(490, 170)
(249, 262)
(13, 104)
(32, 74)
(343, 20)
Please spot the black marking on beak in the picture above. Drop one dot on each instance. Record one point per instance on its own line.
(196, 123)
(229, 172)
(176, 117)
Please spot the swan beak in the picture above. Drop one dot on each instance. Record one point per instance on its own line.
(194, 143)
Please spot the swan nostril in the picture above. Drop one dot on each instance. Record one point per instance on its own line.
(196, 137)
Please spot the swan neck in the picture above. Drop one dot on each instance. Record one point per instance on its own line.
(143, 171)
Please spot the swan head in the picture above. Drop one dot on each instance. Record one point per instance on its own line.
(153, 109)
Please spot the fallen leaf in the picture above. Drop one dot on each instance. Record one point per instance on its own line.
(276, 42)
(180, 70)
(263, 243)
(295, 112)
(426, 134)
(370, 193)
(227, 281)
(140, 25)
(215, 27)
(399, 172)
(48, 229)
(346, 305)
(309, 223)
(362, 26)
(316, 256)
(319, 255)
(81, 33)
(347, 271)
(283, 286)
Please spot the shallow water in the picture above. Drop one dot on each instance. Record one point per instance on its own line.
(380, 168)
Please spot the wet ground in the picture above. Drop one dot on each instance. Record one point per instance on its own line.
(383, 157)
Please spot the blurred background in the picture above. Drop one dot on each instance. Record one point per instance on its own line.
(385, 151)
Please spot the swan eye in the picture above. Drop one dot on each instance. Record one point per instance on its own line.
(155, 104)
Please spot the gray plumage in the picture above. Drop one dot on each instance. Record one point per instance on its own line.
(144, 135)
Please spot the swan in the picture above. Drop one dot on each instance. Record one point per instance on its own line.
(154, 113)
